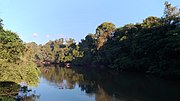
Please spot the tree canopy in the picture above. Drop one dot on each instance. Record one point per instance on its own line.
(152, 46)
(13, 66)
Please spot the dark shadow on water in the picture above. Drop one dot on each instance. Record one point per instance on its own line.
(104, 85)
(10, 91)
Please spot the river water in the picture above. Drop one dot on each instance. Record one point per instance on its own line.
(65, 84)
(85, 84)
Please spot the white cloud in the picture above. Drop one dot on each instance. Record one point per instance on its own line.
(47, 36)
(35, 35)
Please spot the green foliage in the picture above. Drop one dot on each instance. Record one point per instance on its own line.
(7, 99)
(11, 46)
(103, 32)
(32, 52)
(14, 65)
(24, 72)
(10, 91)
(149, 47)
(57, 51)
(152, 46)
(151, 22)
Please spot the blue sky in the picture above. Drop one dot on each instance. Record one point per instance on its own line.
(43, 20)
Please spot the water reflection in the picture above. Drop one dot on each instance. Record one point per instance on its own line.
(26, 72)
(77, 84)
(62, 77)
(103, 86)
(10, 91)
(11, 77)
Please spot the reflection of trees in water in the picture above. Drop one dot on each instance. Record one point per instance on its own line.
(12, 75)
(98, 83)
(62, 77)
(26, 94)
(103, 96)
(32, 97)
(68, 78)
(130, 87)
(91, 82)
(107, 87)
(10, 91)
(20, 72)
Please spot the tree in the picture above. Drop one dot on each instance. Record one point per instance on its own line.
(11, 46)
(1, 24)
(103, 32)
(32, 52)
(171, 14)
(151, 22)
(12, 66)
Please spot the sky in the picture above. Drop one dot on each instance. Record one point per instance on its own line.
(43, 20)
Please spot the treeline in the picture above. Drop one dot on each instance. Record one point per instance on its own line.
(152, 46)
(54, 52)
(14, 66)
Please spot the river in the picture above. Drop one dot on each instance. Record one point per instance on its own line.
(67, 84)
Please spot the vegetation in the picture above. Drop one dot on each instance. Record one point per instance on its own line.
(14, 66)
(10, 91)
(57, 51)
(152, 46)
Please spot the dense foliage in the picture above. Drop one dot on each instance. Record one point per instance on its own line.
(152, 46)
(57, 51)
(14, 66)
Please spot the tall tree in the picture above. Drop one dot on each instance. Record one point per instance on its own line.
(103, 32)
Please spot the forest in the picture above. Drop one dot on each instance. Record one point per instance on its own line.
(151, 46)
(112, 63)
